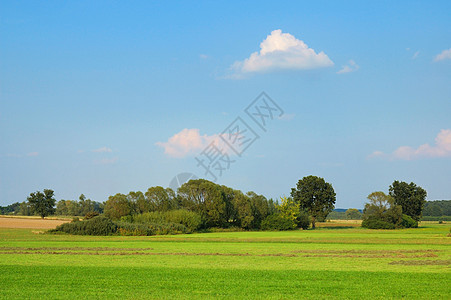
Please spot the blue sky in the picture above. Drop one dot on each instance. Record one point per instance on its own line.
(100, 97)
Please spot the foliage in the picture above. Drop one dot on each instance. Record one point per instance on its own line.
(437, 208)
(138, 229)
(410, 196)
(314, 195)
(408, 222)
(290, 210)
(42, 203)
(118, 206)
(380, 211)
(12, 209)
(78, 208)
(373, 222)
(96, 226)
(91, 215)
(353, 214)
(191, 220)
(277, 222)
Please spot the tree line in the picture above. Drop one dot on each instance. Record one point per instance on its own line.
(208, 205)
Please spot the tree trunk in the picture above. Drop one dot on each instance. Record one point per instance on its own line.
(313, 222)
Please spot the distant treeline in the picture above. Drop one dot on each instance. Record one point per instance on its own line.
(437, 208)
(63, 208)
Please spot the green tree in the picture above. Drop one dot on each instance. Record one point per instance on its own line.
(410, 196)
(353, 214)
(118, 206)
(42, 203)
(381, 212)
(207, 199)
(315, 196)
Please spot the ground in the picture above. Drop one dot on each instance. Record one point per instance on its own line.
(338, 260)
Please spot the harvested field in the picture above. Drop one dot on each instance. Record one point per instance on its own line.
(32, 223)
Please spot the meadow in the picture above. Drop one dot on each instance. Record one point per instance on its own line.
(337, 260)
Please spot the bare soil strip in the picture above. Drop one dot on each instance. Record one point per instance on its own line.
(30, 223)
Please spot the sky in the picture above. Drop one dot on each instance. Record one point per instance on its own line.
(103, 97)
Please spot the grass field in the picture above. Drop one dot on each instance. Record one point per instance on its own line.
(337, 260)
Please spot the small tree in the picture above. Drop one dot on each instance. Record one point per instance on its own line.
(410, 196)
(314, 195)
(353, 214)
(42, 204)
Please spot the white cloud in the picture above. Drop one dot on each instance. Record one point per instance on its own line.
(446, 54)
(102, 150)
(33, 154)
(203, 56)
(350, 67)
(190, 142)
(281, 51)
(442, 148)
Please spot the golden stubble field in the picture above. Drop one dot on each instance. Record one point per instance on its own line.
(29, 222)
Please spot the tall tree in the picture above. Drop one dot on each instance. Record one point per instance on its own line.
(42, 203)
(410, 196)
(381, 208)
(314, 195)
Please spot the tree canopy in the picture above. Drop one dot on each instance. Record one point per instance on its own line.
(42, 203)
(410, 196)
(314, 195)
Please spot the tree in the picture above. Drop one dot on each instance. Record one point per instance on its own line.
(118, 206)
(410, 196)
(207, 199)
(42, 204)
(314, 195)
(353, 214)
(381, 212)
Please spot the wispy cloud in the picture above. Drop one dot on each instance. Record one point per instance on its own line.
(415, 55)
(281, 51)
(103, 150)
(203, 56)
(445, 55)
(350, 67)
(33, 154)
(442, 148)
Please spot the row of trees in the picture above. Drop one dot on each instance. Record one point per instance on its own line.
(218, 205)
(402, 207)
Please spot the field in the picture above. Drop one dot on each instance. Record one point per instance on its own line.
(337, 260)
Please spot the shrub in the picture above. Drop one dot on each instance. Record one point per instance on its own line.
(408, 222)
(75, 219)
(96, 226)
(375, 223)
(277, 222)
(125, 228)
(190, 220)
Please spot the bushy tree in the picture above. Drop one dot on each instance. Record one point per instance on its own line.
(353, 214)
(410, 196)
(42, 203)
(315, 196)
(118, 206)
(381, 212)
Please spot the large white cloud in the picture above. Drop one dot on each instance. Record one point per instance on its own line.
(282, 51)
(442, 148)
(446, 54)
(190, 142)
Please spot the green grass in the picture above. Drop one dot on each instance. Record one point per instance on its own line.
(351, 263)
